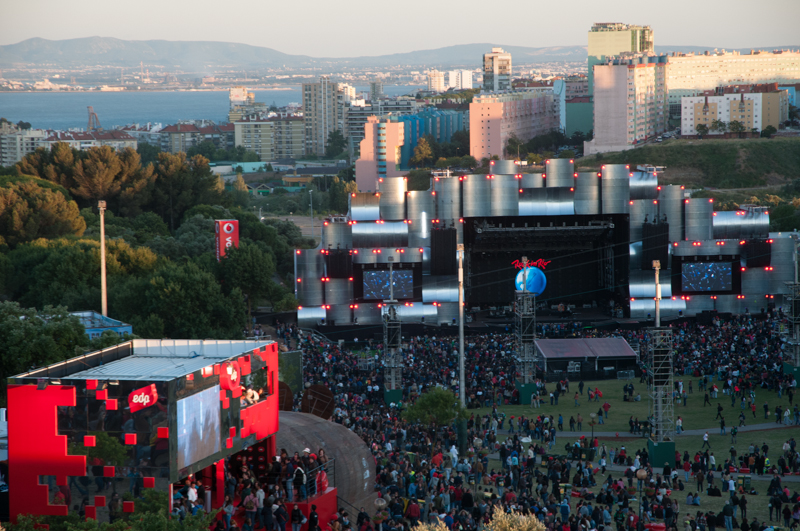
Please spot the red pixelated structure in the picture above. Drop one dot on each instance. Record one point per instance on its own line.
(541, 264)
(36, 449)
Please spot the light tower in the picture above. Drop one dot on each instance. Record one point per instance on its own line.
(525, 333)
(661, 444)
(392, 355)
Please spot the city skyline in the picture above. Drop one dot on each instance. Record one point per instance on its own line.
(683, 24)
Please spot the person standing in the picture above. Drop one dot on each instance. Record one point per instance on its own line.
(281, 516)
(705, 441)
(227, 510)
(251, 506)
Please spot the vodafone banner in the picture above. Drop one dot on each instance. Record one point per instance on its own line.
(227, 235)
(142, 398)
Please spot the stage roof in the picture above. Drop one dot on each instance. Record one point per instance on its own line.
(601, 347)
(155, 360)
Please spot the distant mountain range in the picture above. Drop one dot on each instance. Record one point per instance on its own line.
(204, 56)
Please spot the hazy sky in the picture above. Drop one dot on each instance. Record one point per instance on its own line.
(341, 29)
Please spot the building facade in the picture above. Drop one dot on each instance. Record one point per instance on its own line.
(380, 153)
(494, 118)
(692, 74)
(573, 106)
(84, 140)
(438, 123)
(609, 39)
(323, 113)
(15, 143)
(358, 111)
(630, 102)
(375, 90)
(497, 70)
(272, 138)
(754, 106)
(436, 81)
(459, 79)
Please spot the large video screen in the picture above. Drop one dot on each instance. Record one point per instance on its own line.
(376, 284)
(706, 276)
(199, 425)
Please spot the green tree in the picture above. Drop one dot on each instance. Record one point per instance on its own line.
(737, 127)
(182, 183)
(436, 406)
(56, 165)
(423, 154)
(148, 153)
(336, 144)
(441, 163)
(535, 159)
(460, 140)
(104, 174)
(205, 148)
(768, 131)
(702, 129)
(514, 147)
(719, 126)
(567, 154)
(339, 194)
(241, 193)
(179, 301)
(35, 339)
(29, 211)
(250, 271)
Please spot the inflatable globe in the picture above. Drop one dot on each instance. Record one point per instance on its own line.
(536, 280)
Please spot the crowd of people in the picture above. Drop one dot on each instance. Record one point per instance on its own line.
(422, 476)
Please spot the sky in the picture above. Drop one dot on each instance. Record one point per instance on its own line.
(324, 28)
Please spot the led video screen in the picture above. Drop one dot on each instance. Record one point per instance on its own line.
(199, 421)
(376, 284)
(702, 277)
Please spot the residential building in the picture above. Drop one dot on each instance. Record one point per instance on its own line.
(755, 106)
(16, 143)
(792, 89)
(179, 137)
(347, 92)
(436, 81)
(272, 138)
(375, 90)
(243, 103)
(609, 39)
(323, 113)
(692, 74)
(438, 123)
(496, 117)
(496, 70)
(95, 324)
(149, 133)
(459, 79)
(357, 112)
(81, 140)
(573, 105)
(380, 153)
(630, 102)
(222, 135)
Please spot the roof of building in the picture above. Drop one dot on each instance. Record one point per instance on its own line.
(181, 128)
(605, 347)
(92, 319)
(167, 359)
(88, 136)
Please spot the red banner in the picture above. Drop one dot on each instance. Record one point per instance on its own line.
(142, 398)
(227, 235)
(541, 264)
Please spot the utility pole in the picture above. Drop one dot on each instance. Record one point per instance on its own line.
(101, 205)
(311, 197)
(461, 384)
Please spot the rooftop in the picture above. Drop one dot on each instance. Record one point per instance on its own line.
(92, 319)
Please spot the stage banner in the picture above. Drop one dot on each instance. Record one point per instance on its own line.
(227, 235)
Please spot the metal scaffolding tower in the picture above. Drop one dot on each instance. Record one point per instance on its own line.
(525, 330)
(661, 402)
(792, 304)
(392, 356)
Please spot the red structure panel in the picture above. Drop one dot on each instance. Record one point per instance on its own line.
(35, 448)
(163, 433)
(91, 384)
(91, 512)
(111, 404)
(108, 471)
(101, 394)
(149, 482)
(130, 438)
(89, 441)
(127, 506)
(326, 507)
(99, 501)
(262, 418)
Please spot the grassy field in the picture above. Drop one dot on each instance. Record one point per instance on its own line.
(722, 163)
(695, 417)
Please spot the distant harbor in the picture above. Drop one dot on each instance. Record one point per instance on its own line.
(65, 110)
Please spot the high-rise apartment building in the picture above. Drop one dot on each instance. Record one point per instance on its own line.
(496, 70)
(16, 143)
(754, 106)
(573, 107)
(609, 39)
(272, 138)
(375, 90)
(459, 79)
(693, 74)
(380, 153)
(358, 111)
(630, 102)
(494, 118)
(323, 112)
(436, 81)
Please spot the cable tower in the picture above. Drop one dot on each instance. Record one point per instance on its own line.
(94, 122)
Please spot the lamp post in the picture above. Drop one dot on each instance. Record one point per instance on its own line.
(101, 206)
(311, 198)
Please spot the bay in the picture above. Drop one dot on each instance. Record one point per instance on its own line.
(65, 110)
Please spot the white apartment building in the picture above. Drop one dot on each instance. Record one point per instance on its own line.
(14, 145)
(692, 74)
(756, 107)
(630, 102)
(496, 70)
(459, 79)
(323, 112)
(436, 81)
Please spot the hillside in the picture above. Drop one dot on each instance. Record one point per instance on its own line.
(714, 163)
(206, 55)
